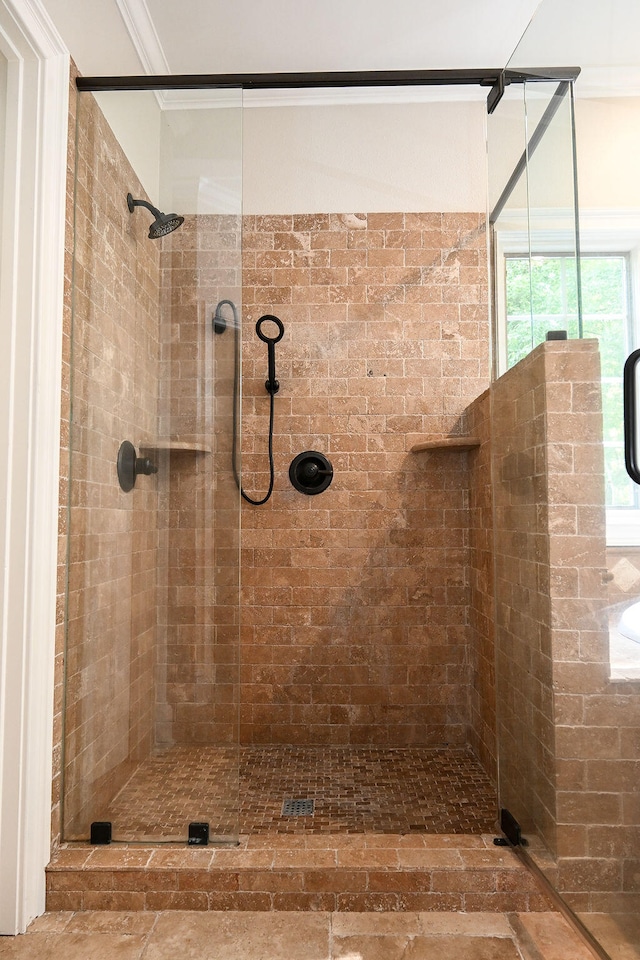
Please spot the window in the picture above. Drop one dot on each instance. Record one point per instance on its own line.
(545, 298)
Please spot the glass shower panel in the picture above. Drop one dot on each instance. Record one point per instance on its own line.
(508, 218)
(552, 214)
(533, 214)
(573, 671)
(151, 715)
(537, 462)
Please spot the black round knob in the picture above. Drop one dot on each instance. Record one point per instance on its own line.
(310, 472)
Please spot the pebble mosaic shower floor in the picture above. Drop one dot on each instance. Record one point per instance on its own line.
(355, 790)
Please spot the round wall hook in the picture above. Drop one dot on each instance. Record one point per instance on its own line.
(310, 472)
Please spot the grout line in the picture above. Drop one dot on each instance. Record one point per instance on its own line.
(150, 932)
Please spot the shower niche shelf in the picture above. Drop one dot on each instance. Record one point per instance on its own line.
(447, 443)
(176, 446)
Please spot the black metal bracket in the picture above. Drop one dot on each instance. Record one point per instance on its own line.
(511, 829)
(198, 834)
(100, 832)
(497, 92)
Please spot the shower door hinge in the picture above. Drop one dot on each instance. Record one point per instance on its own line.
(496, 93)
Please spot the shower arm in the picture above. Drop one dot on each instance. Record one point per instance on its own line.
(131, 203)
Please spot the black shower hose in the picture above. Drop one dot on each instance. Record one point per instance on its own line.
(236, 403)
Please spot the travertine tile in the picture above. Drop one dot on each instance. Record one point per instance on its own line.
(72, 946)
(414, 791)
(238, 936)
(552, 936)
(321, 934)
(110, 921)
(618, 933)
(425, 948)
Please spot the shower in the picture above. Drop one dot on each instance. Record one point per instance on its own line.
(271, 385)
(164, 223)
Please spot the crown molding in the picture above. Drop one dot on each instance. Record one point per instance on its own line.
(141, 29)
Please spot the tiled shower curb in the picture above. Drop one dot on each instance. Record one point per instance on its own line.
(364, 872)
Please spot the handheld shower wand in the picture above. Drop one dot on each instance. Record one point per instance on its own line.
(272, 385)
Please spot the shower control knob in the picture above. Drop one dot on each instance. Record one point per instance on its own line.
(310, 472)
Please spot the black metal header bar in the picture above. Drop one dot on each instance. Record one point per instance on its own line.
(292, 81)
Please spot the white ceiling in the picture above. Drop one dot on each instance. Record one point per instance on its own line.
(136, 37)
(121, 37)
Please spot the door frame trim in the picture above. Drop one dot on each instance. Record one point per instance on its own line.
(32, 232)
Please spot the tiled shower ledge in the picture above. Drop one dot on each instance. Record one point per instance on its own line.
(360, 872)
(446, 443)
(175, 446)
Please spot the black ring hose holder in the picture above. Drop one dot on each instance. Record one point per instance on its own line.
(271, 384)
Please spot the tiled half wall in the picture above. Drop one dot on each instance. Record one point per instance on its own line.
(568, 735)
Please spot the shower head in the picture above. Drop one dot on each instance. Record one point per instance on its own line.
(163, 224)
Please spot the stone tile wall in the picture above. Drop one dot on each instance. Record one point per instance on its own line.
(355, 602)
(112, 535)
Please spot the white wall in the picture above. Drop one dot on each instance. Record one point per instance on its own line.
(201, 158)
(134, 116)
(3, 118)
(608, 138)
(369, 157)
(365, 157)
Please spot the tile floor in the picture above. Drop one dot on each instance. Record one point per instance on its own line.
(355, 789)
(296, 936)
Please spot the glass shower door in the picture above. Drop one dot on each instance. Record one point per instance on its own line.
(567, 569)
(152, 659)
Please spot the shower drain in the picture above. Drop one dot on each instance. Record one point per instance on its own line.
(297, 808)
